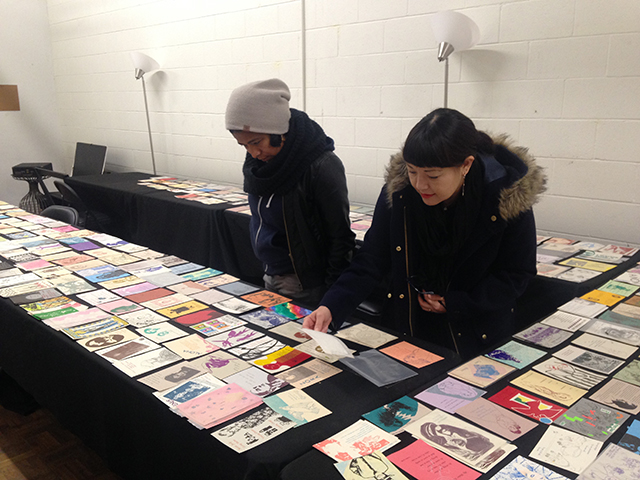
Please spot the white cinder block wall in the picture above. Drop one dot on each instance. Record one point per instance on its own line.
(561, 76)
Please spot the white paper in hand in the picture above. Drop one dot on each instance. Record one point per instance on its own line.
(330, 343)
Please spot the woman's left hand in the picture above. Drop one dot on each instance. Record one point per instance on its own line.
(430, 302)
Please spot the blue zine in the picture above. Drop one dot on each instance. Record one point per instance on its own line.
(515, 354)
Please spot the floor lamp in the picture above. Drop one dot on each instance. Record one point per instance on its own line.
(453, 32)
(144, 64)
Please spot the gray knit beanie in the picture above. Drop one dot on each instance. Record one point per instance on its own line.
(260, 107)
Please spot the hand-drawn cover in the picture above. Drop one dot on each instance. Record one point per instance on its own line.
(374, 462)
(410, 354)
(361, 438)
(424, 462)
(543, 335)
(171, 376)
(394, 416)
(107, 340)
(496, 419)
(631, 439)
(630, 336)
(592, 419)
(265, 298)
(146, 362)
(630, 373)
(291, 330)
(585, 358)
(604, 345)
(528, 405)
(481, 371)
(220, 364)
(162, 332)
(99, 327)
(567, 450)
(182, 309)
(265, 318)
(297, 405)
(143, 318)
(235, 305)
(257, 348)
(211, 296)
(309, 373)
(614, 462)
(521, 468)
(619, 394)
(127, 349)
(119, 306)
(190, 346)
(257, 381)
(366, 335)
(188, 288)
(568, 373)
(515, 354)
(219, 405)
(555, 390)
(235, 336)
(253, 430)
(450, 394)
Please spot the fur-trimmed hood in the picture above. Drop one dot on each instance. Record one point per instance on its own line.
(517, 197)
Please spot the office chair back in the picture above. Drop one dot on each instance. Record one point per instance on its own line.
(90, 159)
(87, 218)
(63, 213)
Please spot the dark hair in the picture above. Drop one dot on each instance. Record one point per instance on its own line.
(275, 140)
(444, 138)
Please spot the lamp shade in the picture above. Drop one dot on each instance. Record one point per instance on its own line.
(143, 63)
(454, 31)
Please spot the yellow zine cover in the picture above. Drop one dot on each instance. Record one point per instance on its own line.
(604, 298)
(588, 264)
(554, 390)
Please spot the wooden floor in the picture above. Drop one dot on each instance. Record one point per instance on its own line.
(37, 447)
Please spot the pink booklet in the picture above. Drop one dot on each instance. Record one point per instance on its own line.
(219, 405)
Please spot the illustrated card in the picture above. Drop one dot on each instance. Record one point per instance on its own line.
(583, 308)
(604, 345)
(309, 373)
(565, 449)
(257, 381)
(265, 298)
(614, 462)
(449, 394)
(521, 467)
(394, 416)
(280, 360)
(99, 327)
(143, 318)
(479, 449)
(361, 438)
(591, 360)
(171, 376)
(146, 362)
(351, 469)
(496, 419)
(235, 305)
(631, 439)
(119, 307)
(481, 371)
(366, 335)
(424, 462)
(190, 346)
(619, 394)
(188, 389)
(568, 373)
(220, 364)
(291, 330)
(182, 309)
(543, 335)
(200, 316)
(290, 310)
(217, 325)
(632, 278)
(297, 405)
(107, 340)
(410, 354)
(615, 332)
(217, 280)
(257, 348)
(566, 321)
(265, 318)
(630, 373)
(127, 349)
(96, 297)
(234, 336)
(515, 354)
(578, 275)
(527, 404)
(253, 430)
(161, 332)
(619, 287)
(592, 419)
(188, 288)
(550, 388)
(201, 274)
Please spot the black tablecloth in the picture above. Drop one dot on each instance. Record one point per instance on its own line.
(157, 219)
(139, 437)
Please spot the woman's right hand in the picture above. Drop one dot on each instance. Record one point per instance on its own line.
(318, 320)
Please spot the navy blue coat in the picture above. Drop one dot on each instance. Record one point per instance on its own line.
(491, 271)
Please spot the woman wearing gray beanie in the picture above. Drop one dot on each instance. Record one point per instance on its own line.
(300, 227)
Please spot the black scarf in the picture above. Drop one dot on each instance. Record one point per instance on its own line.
(442, 231)
(304, 143)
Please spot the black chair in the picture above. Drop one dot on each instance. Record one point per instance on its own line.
(89, 219)
(66, 214)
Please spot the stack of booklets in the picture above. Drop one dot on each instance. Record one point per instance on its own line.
(218, 406)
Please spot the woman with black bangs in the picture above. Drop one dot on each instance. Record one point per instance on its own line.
(455, 229)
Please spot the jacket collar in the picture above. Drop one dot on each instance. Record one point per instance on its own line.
(513, 167)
